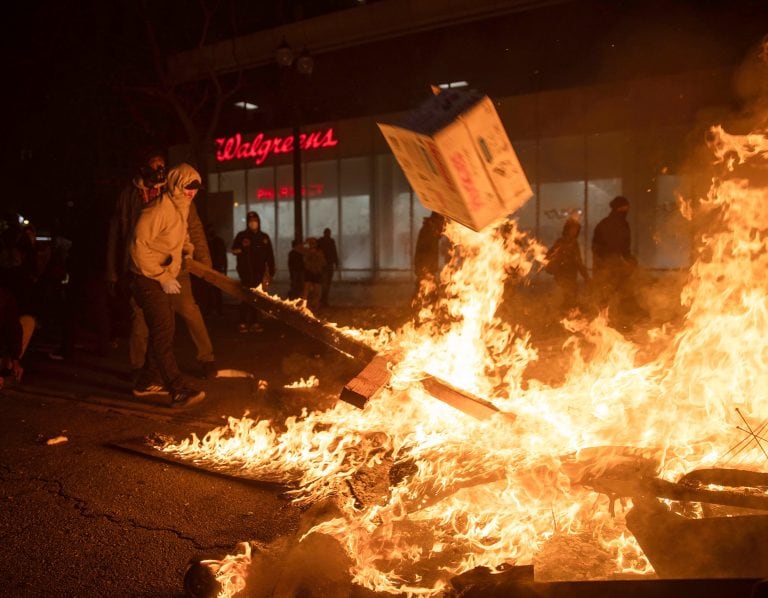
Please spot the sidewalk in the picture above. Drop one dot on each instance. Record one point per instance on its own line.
(256, 366)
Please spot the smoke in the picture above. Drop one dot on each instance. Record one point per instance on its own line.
(312, 565)
(751, 85)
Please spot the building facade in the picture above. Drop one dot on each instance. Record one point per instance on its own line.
(579, 147)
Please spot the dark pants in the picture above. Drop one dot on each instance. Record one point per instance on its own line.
(325, 284)
(297, 284)
(248, 315)
(160, 365)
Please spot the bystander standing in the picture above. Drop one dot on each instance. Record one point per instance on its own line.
(327, 245)
(255, 266)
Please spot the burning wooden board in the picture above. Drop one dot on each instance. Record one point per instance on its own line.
(285, 312)
(374, 375)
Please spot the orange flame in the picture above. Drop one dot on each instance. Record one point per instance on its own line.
(484, 493)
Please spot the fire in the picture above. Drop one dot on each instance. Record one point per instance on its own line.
(473, 493)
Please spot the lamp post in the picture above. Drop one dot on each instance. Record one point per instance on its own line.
(304, 63)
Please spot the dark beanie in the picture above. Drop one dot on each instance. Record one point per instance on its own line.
(619, 202)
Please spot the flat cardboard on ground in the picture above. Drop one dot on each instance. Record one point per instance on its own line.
(457, 157)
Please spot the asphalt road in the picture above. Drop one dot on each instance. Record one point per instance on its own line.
(83, 517)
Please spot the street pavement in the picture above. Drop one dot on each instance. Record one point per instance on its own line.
(82, 517)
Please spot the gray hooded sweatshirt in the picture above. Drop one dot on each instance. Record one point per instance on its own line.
(161, 235)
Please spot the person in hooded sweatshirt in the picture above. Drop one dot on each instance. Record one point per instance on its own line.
(160, 243)
(255, 265)
(143, 190)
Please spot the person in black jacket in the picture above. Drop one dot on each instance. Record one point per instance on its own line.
(327, 245)
(255, 265)
(613, 262)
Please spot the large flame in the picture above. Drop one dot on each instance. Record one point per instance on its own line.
(473, 493)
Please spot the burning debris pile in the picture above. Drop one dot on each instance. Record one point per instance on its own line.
(422, 493)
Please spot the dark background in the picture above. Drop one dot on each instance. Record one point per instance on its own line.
(84, 97)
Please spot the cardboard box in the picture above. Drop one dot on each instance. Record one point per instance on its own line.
(456, 155)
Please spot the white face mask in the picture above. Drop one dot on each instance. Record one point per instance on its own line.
(253, 225)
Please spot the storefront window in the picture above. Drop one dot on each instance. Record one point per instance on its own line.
(261, 197)
(234, 181)
(674, 234)
(322, 194)
(558, 202)
(526, 214)
(355, 246)
(393, 216)
(285, 229)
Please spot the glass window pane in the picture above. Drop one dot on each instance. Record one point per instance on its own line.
(355, 247)
(285, 231)
(261, 197)
(562, 159)
(393, 217)
(674, 234)
(558, 202)
(526, 151)
(321, 192)
(234, 181)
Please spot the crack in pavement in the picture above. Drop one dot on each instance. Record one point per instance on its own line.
(56, 488)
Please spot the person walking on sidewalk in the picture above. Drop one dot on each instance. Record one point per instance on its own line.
(140, 194)
(160, 243)
(255, 265)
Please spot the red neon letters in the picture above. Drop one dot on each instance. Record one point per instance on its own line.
(260, 147)
(285, 192)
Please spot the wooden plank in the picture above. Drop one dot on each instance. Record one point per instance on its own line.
(368, 383)
(374, 375)
(461, 399)
(289, 315)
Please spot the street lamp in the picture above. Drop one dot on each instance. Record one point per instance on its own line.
(284, 56)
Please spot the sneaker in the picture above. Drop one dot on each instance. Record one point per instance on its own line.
(149, 389)
(242, 328)
(186, 397)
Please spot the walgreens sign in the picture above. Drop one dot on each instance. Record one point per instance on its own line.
(261, 147)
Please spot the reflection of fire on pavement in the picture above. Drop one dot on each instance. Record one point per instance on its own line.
(311, 382)
(635, 437)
